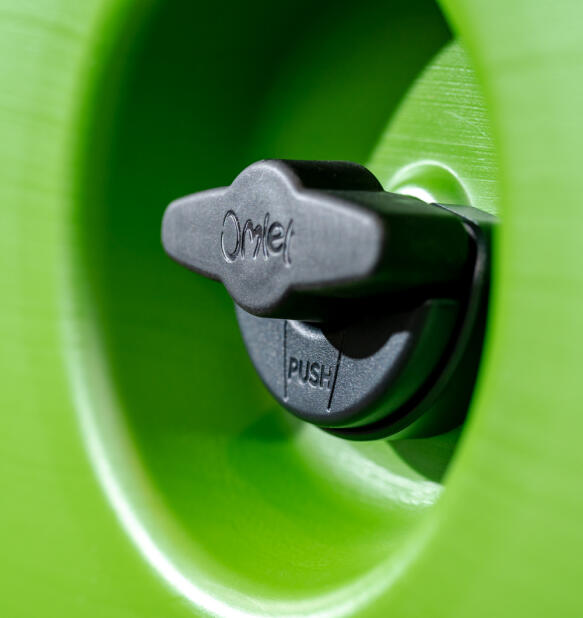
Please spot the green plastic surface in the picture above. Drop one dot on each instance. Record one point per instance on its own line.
(131, 486)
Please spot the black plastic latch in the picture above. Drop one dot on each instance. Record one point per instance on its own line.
(361, 309)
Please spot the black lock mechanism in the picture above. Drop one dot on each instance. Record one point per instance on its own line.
(363, 311)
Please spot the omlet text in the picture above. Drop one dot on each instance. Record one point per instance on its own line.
(269, 239)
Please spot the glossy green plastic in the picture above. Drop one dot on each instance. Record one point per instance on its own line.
(130, 486)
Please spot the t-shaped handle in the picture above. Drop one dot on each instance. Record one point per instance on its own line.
(304, 239)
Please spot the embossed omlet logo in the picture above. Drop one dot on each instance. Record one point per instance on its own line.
(271, 239)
